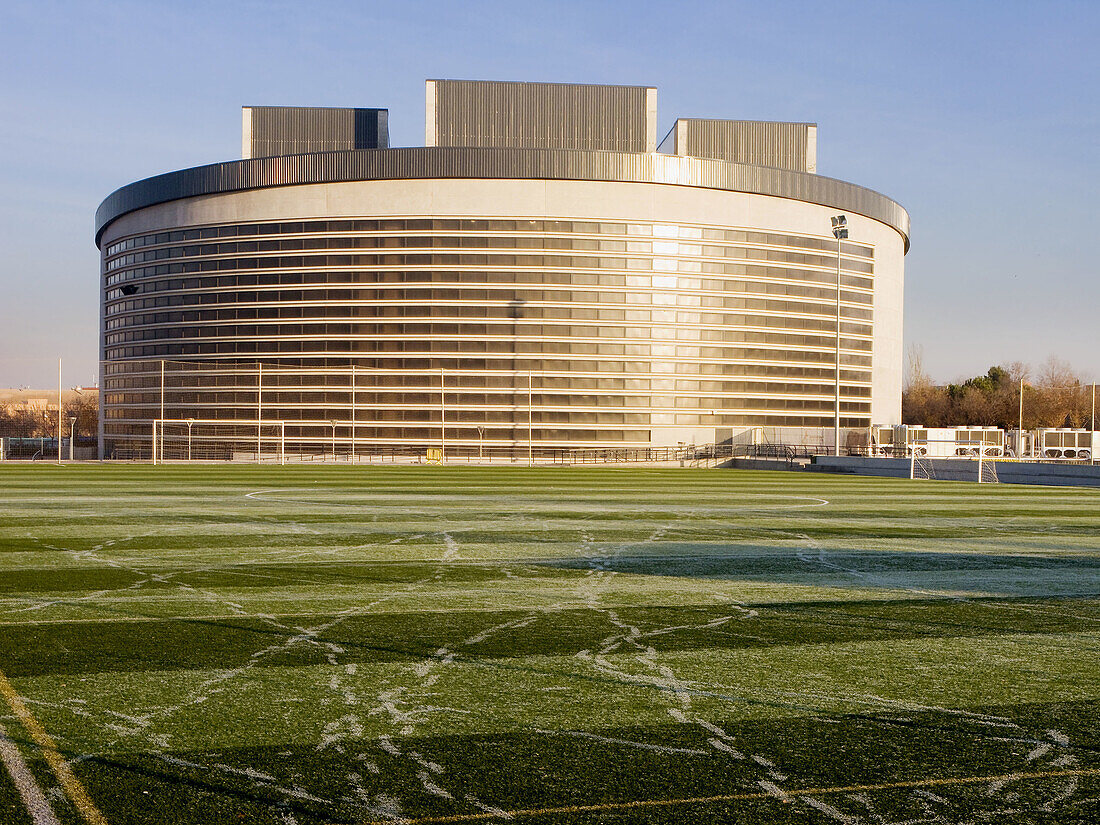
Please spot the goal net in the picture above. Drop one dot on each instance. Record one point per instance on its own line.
(920, 467)
(987, 470)
(190, 439)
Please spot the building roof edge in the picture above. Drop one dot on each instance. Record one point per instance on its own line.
(490, 163)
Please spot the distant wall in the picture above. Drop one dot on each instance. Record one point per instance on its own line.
(1008, 472)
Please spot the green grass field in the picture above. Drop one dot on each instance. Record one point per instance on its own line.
(339, 644)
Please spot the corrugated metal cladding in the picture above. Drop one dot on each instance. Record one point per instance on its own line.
(761, 143)
(523, 164)
(295, 130)
(542, 116)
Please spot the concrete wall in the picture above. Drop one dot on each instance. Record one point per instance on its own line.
(1008, 472)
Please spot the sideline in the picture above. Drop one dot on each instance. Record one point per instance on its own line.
(787, 796)
(372, 497)
(56, 761)
(34, 800)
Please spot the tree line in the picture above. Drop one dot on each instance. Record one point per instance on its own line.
(1054, 395)
(25, 421)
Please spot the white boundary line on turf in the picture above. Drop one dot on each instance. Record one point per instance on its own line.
(29, 790)
(260, 495)
(48, 748)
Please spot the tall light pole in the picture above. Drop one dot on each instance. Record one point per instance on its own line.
(442, 418)
(1021, 408)
(59, 405)
(72, 438)
(259, 410)
(840, 232)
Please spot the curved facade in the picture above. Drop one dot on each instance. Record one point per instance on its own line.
(562, 299)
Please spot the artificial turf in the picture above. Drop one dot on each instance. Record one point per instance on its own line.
(361, 644)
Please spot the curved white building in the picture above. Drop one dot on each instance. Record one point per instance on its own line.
(564, 294)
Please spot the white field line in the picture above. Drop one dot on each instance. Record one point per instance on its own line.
(403, 706)
(60, 767)
(217, 684)
(29, 790)
(679, 691)
(630, 743)
(369, 499)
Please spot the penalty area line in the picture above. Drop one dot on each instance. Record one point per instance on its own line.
(788, 796)
(64, 773)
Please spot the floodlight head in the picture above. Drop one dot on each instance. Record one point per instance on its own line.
(840, 226)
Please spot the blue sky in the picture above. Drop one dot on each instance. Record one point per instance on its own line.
(980, 118)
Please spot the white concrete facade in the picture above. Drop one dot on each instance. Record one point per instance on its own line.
(567, 199)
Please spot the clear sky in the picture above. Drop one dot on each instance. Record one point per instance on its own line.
(981, 118)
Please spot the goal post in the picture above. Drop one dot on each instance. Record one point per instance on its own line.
(920, 467)
(987, 468)
(202, 439)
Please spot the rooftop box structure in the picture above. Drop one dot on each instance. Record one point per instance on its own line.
(270, 131)
(760, 143)
(498, 114)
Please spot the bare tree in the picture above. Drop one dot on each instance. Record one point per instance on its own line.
(84, 407)
(1058, 397)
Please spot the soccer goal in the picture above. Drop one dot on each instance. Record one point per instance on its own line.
(920, 466)
(987, 469)
(195, 439)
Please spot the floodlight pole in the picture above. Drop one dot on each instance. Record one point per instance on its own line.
(836, 397)
(840, 230)
(58, 411)
(259, 408)
(1021, 408)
